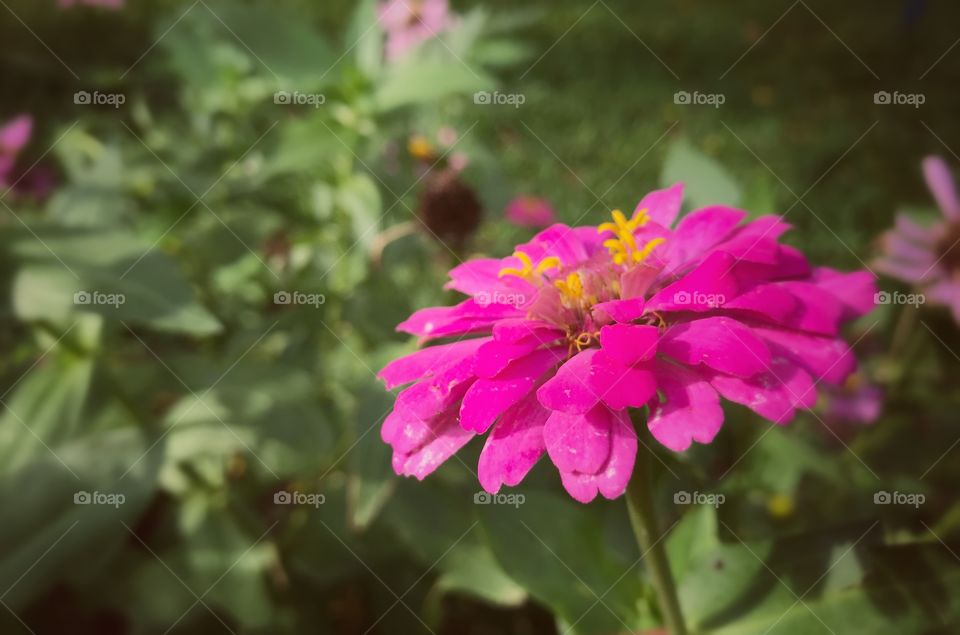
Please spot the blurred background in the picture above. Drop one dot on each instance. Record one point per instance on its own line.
(214, 213)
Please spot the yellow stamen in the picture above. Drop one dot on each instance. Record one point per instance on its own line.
(528, 272)
(623, 247)
(572, 288)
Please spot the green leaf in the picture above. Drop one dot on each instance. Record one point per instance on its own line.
(555, 548)
(72, 504)
(44, 409)
(844, 580)
(108, 273)
(418, 79)
(365, 34)
(706, 181)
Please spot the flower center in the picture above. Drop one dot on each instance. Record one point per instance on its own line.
(566, 295)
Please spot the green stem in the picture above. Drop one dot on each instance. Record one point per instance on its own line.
(643, 517)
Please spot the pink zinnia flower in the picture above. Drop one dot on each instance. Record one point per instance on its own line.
(530, 211)
(929, 256)
(14, 136)
(410, 22)
(857, 401)
(559, 341)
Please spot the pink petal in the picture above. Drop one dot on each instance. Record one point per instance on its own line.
(514, 445)
(826, 358)
(721, 343)
(774, 395)
(488, 398)
(407, 425)
(571, 245)
(620, 310)
(612, 481)
(689, 412)
(705, 288)
(700, 231)
(941, 185)
(663, 205)
(855, 290)
(629, 343)
(578, 442)
(420, 364)
(446, 437)
(592, 376)
(622, 386)
(516, 329)
(466, 317)
(571, 390)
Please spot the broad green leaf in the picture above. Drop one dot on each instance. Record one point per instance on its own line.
(108, 273)
(839, 581)
(43, 409)
(416, 80)
(366, 36)
(706, 181)
(75, 506)
(555, 548)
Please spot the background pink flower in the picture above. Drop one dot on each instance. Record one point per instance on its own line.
(530, 211)
(929, 256)
(559, 341)
(410, 22)
(14, 136)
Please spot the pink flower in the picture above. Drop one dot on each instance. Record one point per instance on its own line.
(558, 343)
(857, 401)
(14, 136)
(107, 4)
(929, 256)
(410, 22)
(530, 211)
